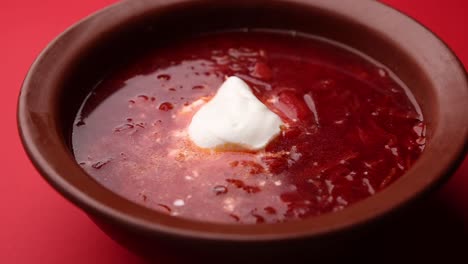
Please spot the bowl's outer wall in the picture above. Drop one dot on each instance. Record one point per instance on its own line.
(66, 71)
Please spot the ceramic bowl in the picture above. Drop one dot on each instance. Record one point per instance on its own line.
(69, 67)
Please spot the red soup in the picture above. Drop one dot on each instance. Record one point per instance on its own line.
(352, 128)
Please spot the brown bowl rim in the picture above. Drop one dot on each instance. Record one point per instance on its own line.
(423, 176)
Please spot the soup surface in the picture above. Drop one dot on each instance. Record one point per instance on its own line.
(352, 128)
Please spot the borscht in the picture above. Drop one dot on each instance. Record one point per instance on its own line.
(350, 128)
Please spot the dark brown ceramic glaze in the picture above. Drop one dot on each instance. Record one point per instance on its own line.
(69, 67)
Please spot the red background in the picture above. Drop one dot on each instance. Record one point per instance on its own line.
(38, 225)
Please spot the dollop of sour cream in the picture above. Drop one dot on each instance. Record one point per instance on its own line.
(234, 119)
